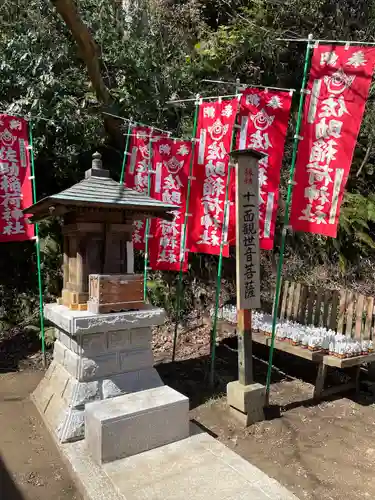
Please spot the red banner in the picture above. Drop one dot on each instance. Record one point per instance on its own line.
(264, 116)
(206, 226)
(15, 185)
(171, 164)
(136, 175)
(338, 86)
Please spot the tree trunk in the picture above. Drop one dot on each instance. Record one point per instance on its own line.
(89, 52)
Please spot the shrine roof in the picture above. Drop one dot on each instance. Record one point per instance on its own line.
(248, 152)
(98, 190)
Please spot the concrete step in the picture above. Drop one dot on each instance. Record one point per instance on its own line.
(134, 423)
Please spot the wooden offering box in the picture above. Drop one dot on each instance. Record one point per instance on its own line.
(98, 215)
(115, 292)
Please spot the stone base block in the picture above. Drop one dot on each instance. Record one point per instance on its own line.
(84, 322)
(103, 365)
(96, 357)
(61, 398)
(135, 423)
(246, 402)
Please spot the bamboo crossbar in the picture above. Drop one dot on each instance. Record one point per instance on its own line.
(313, 41)
(245, 85)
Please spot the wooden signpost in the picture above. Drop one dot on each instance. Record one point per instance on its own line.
(247, 255)
(244, 397)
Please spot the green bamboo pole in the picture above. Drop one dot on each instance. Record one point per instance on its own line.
(218, 285)
(37, 246)
(180, 276)
(147, 228)
(219, 273)
(287, 216)
(122, 176)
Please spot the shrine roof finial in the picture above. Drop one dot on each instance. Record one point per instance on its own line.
(96, 169)
(97, 160)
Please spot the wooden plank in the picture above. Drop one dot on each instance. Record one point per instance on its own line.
(245, 347)
(348, 362)
(82, 284)
(83, 227)
(66, 261)
(121, 228)
(318, 305)
(82, 275)
(303, 302)
(333, 316)
(129, 257)
(247, 245)
(369, 314)
(340, 320)
(289, 306)
(116, 307)
(112, 254)
(73, 247)
(349, 313)
(359, 316)
(327, 304)
(108, 289)
(94, 255)
(310, 305)
(97, 216)
(315, 356)
(320, 380)
(297, 298)
(284, 299)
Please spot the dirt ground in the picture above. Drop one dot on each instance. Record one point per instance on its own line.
(319, 451)
(30, 465)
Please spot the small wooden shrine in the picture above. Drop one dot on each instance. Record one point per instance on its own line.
(98, 215)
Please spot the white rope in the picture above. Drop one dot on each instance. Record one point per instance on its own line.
(244, 85)
(338, 42)
(174, 101)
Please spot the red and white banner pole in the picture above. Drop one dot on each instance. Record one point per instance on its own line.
(263, 117)
(339, 83)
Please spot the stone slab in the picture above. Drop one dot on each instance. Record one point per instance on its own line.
(197, 468)
(199, 465)
(81, 322)
(93, 344)
(61, 398)
(247, 401)
(134, 423)
(246, 419)
(91, 480)
(104, 365)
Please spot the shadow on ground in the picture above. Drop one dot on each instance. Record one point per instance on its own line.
(191, 376)
(8, 490)
(17, 346)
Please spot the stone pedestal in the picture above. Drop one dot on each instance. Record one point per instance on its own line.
(96, 356)
(134, 423)
(246, 402)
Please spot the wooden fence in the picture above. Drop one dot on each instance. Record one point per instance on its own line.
(346, 312)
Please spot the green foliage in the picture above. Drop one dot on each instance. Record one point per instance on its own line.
(357, 218)
(152, 51)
